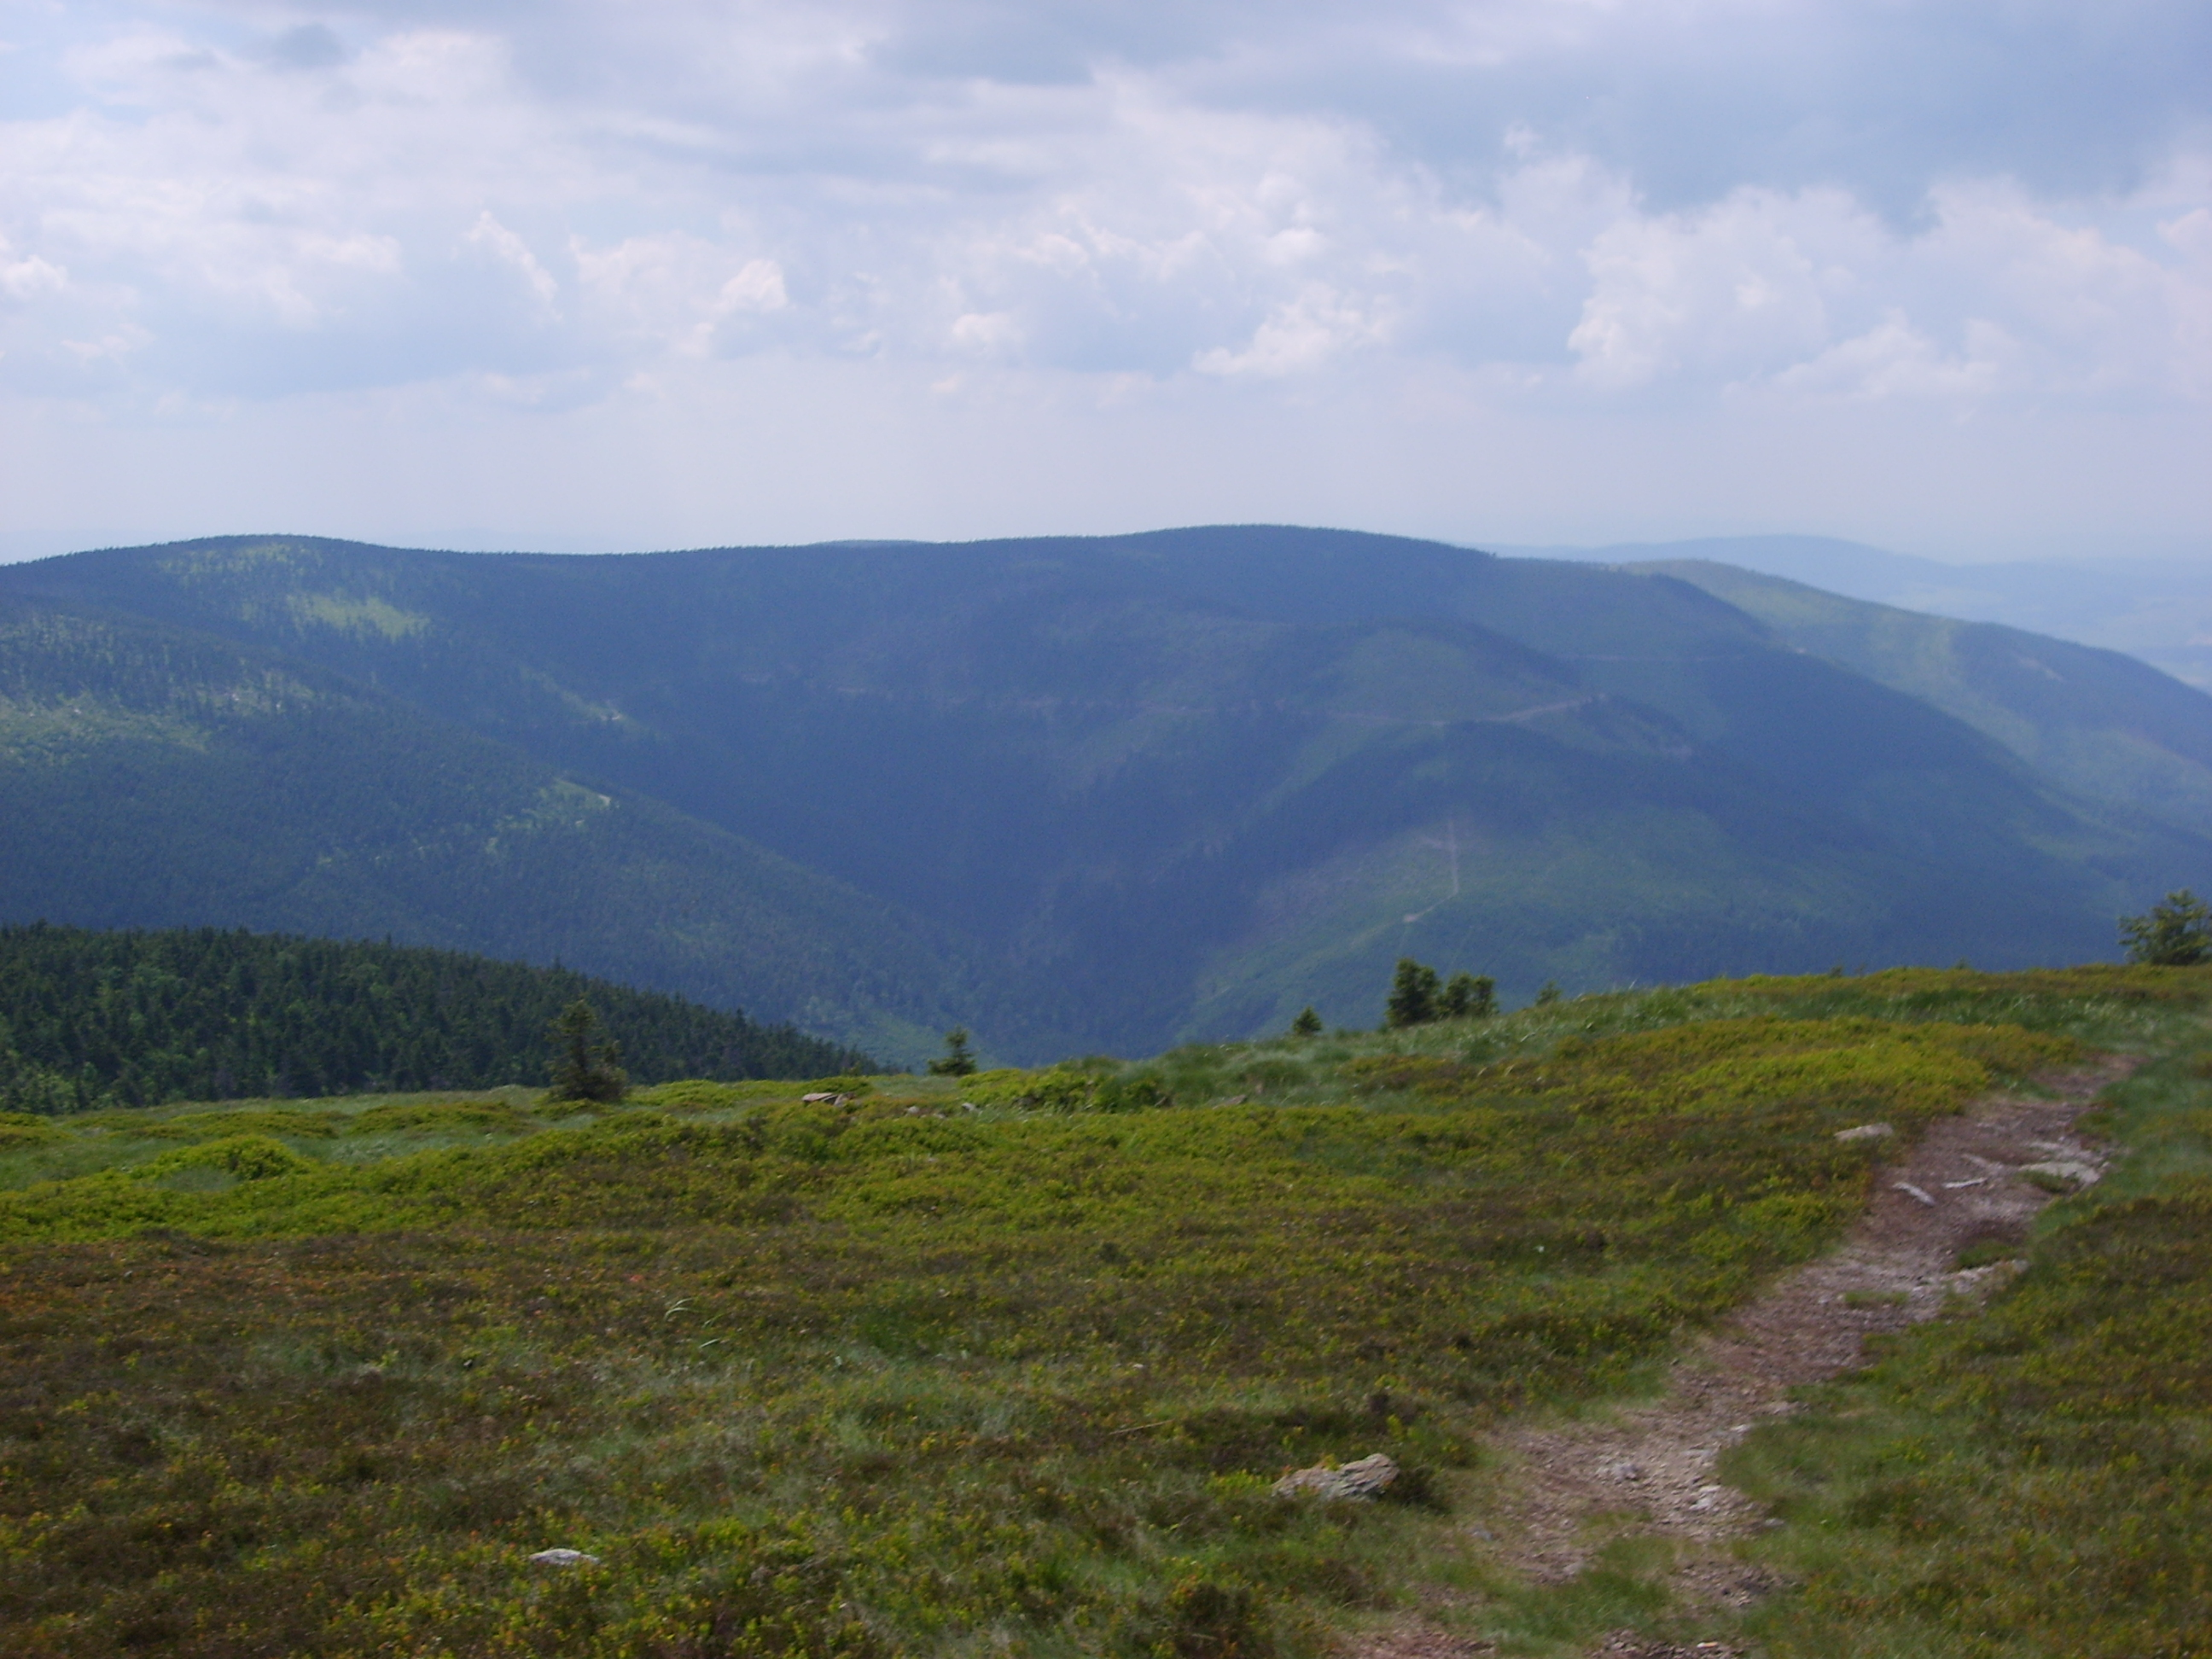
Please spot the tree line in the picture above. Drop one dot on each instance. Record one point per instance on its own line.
(134, 1018)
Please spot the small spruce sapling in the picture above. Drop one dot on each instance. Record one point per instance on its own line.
(959, 1059)
(2175, 933)
(1412, 996)
(1308, 1024)
(1549, 995)
(585, 1066)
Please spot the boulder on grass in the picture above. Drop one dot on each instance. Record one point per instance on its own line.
(1368, 1478)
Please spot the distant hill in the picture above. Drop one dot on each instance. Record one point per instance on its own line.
(2101, 723)
(138, 1018)
(2159, 610)
(1099, 793)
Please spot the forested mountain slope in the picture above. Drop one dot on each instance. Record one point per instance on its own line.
(1184, 783)
(136, 1018)
(154, 777)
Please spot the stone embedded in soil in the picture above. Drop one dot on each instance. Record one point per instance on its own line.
(1366, 1478)
(565, 1557)
(1864, 1131)
(1627, 1644)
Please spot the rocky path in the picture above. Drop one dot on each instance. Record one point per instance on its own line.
(1649, 1470)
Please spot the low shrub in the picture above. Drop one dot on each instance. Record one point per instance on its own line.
(243, 1158)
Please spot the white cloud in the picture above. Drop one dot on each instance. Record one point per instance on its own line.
(1813, 292)
(758, 286)
(2098, 317)
(33, 278)
(109, 348)
(986, 331)
(1524, 210)
(511, 250)
(1892, 359)
(1302, 334)
(1723, 292)
(1127, 217)
(677, 293)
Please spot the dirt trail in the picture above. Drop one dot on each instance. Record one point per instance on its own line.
(1650, 1470)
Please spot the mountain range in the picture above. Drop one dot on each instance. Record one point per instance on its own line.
(1078, 793)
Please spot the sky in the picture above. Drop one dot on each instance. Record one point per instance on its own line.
(583, 276)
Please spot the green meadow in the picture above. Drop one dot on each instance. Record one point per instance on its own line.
(1009, 1364)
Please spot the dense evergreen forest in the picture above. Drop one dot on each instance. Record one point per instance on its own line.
(89, 1019)
(127, 748)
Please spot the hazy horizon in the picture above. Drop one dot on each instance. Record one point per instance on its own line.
(2179, 552)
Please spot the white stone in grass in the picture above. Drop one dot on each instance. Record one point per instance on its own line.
(561, 1558)
(1865, 1132)
(1367, 1478)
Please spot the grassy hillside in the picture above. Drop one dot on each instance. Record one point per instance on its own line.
(1009, 1364)
(1178, 786)
(159, 778)
(137, 1019)
(2103, 725)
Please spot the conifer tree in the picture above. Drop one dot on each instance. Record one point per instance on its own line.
(1412, 995)
(959, 1059)
(585, 1066)
(1308, 1024)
